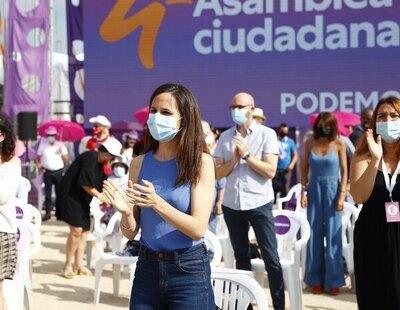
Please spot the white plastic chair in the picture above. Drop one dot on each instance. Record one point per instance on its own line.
(349, 218)
(225, 241)
(288, 224)
(17, 291)
(103, 258)
(234, 290)
(294, 193)
(213, 244)
(23, 189)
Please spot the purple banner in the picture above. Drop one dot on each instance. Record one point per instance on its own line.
(26, 85)
(295, 57)
(76, 57)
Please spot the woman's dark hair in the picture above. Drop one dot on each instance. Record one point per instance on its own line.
(330, 121)
(8, 144)
(191, 143)
(362, 145)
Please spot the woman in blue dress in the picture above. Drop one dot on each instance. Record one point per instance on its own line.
(324, 182)
(170, 196)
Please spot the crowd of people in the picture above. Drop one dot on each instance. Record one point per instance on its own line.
(173, 184)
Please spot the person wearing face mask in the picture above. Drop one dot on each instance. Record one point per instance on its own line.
(324, 183)
(219, 184)
(169, 196)
(101, 132)
(286, 162)
(358, 131)
(81, 182)
(51, 158)
(247, 155)
(375, 183)
(100, 128)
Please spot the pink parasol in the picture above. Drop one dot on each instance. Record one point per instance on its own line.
(126, 126)
(67, 131)
(142, 115)
(344, 120)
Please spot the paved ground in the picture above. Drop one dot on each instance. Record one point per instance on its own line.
(52, 291)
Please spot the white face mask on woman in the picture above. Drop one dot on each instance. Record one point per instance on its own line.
(389, 131)
(162, 127)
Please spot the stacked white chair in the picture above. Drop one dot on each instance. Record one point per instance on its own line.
(213, 244)
(294, 193)
(29, 220)
(103, 258)
(288, 224)
(349, 218)
(235, 290)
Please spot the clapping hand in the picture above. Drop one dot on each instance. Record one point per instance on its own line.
(117, 197)
(143, 195)
(375, 147)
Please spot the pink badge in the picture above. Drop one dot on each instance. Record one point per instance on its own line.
(392, 211)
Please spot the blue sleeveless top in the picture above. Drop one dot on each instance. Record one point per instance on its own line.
(156, 233)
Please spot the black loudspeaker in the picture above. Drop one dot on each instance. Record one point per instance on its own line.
(27, 126)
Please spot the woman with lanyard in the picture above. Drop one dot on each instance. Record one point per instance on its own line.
(374, 183)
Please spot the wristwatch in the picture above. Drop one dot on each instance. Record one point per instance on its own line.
(246, 156)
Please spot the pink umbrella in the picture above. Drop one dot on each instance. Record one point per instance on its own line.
(126, 126)
(67, 131)
(142, 115)
(20, 148)
(344, 120)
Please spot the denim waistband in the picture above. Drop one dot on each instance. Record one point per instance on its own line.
(146, 253)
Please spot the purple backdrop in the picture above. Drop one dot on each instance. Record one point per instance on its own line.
(75, 65)
(26, 87)
(295, 60)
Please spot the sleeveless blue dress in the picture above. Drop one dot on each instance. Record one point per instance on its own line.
(324, 266)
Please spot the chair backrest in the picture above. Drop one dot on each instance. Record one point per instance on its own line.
(349, 217)
(28, 213)
(213, 244)
(23, 189)
(292, 198)
(237, 291)
(288, 224)
(28, 237)
(107, 233)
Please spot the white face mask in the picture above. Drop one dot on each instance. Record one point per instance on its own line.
(119, 172)
(162, 127)
(51, 139)
(389, 131)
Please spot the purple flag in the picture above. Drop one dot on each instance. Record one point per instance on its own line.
(75, 59)
(26, 85)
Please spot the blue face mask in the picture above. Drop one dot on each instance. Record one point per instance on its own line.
(239, 116)
(119, 172)
(389, 131)
(162, 127)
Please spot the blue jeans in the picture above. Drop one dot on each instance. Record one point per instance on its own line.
(262, 221)
(173, 280)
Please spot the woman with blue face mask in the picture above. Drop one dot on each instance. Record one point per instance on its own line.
(169, 197)
(374, 182)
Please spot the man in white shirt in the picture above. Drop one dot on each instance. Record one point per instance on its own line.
(50, 160)
(247, 155)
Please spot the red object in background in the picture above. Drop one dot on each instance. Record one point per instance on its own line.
(344, 119)
(142, 115)
(67, 131)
